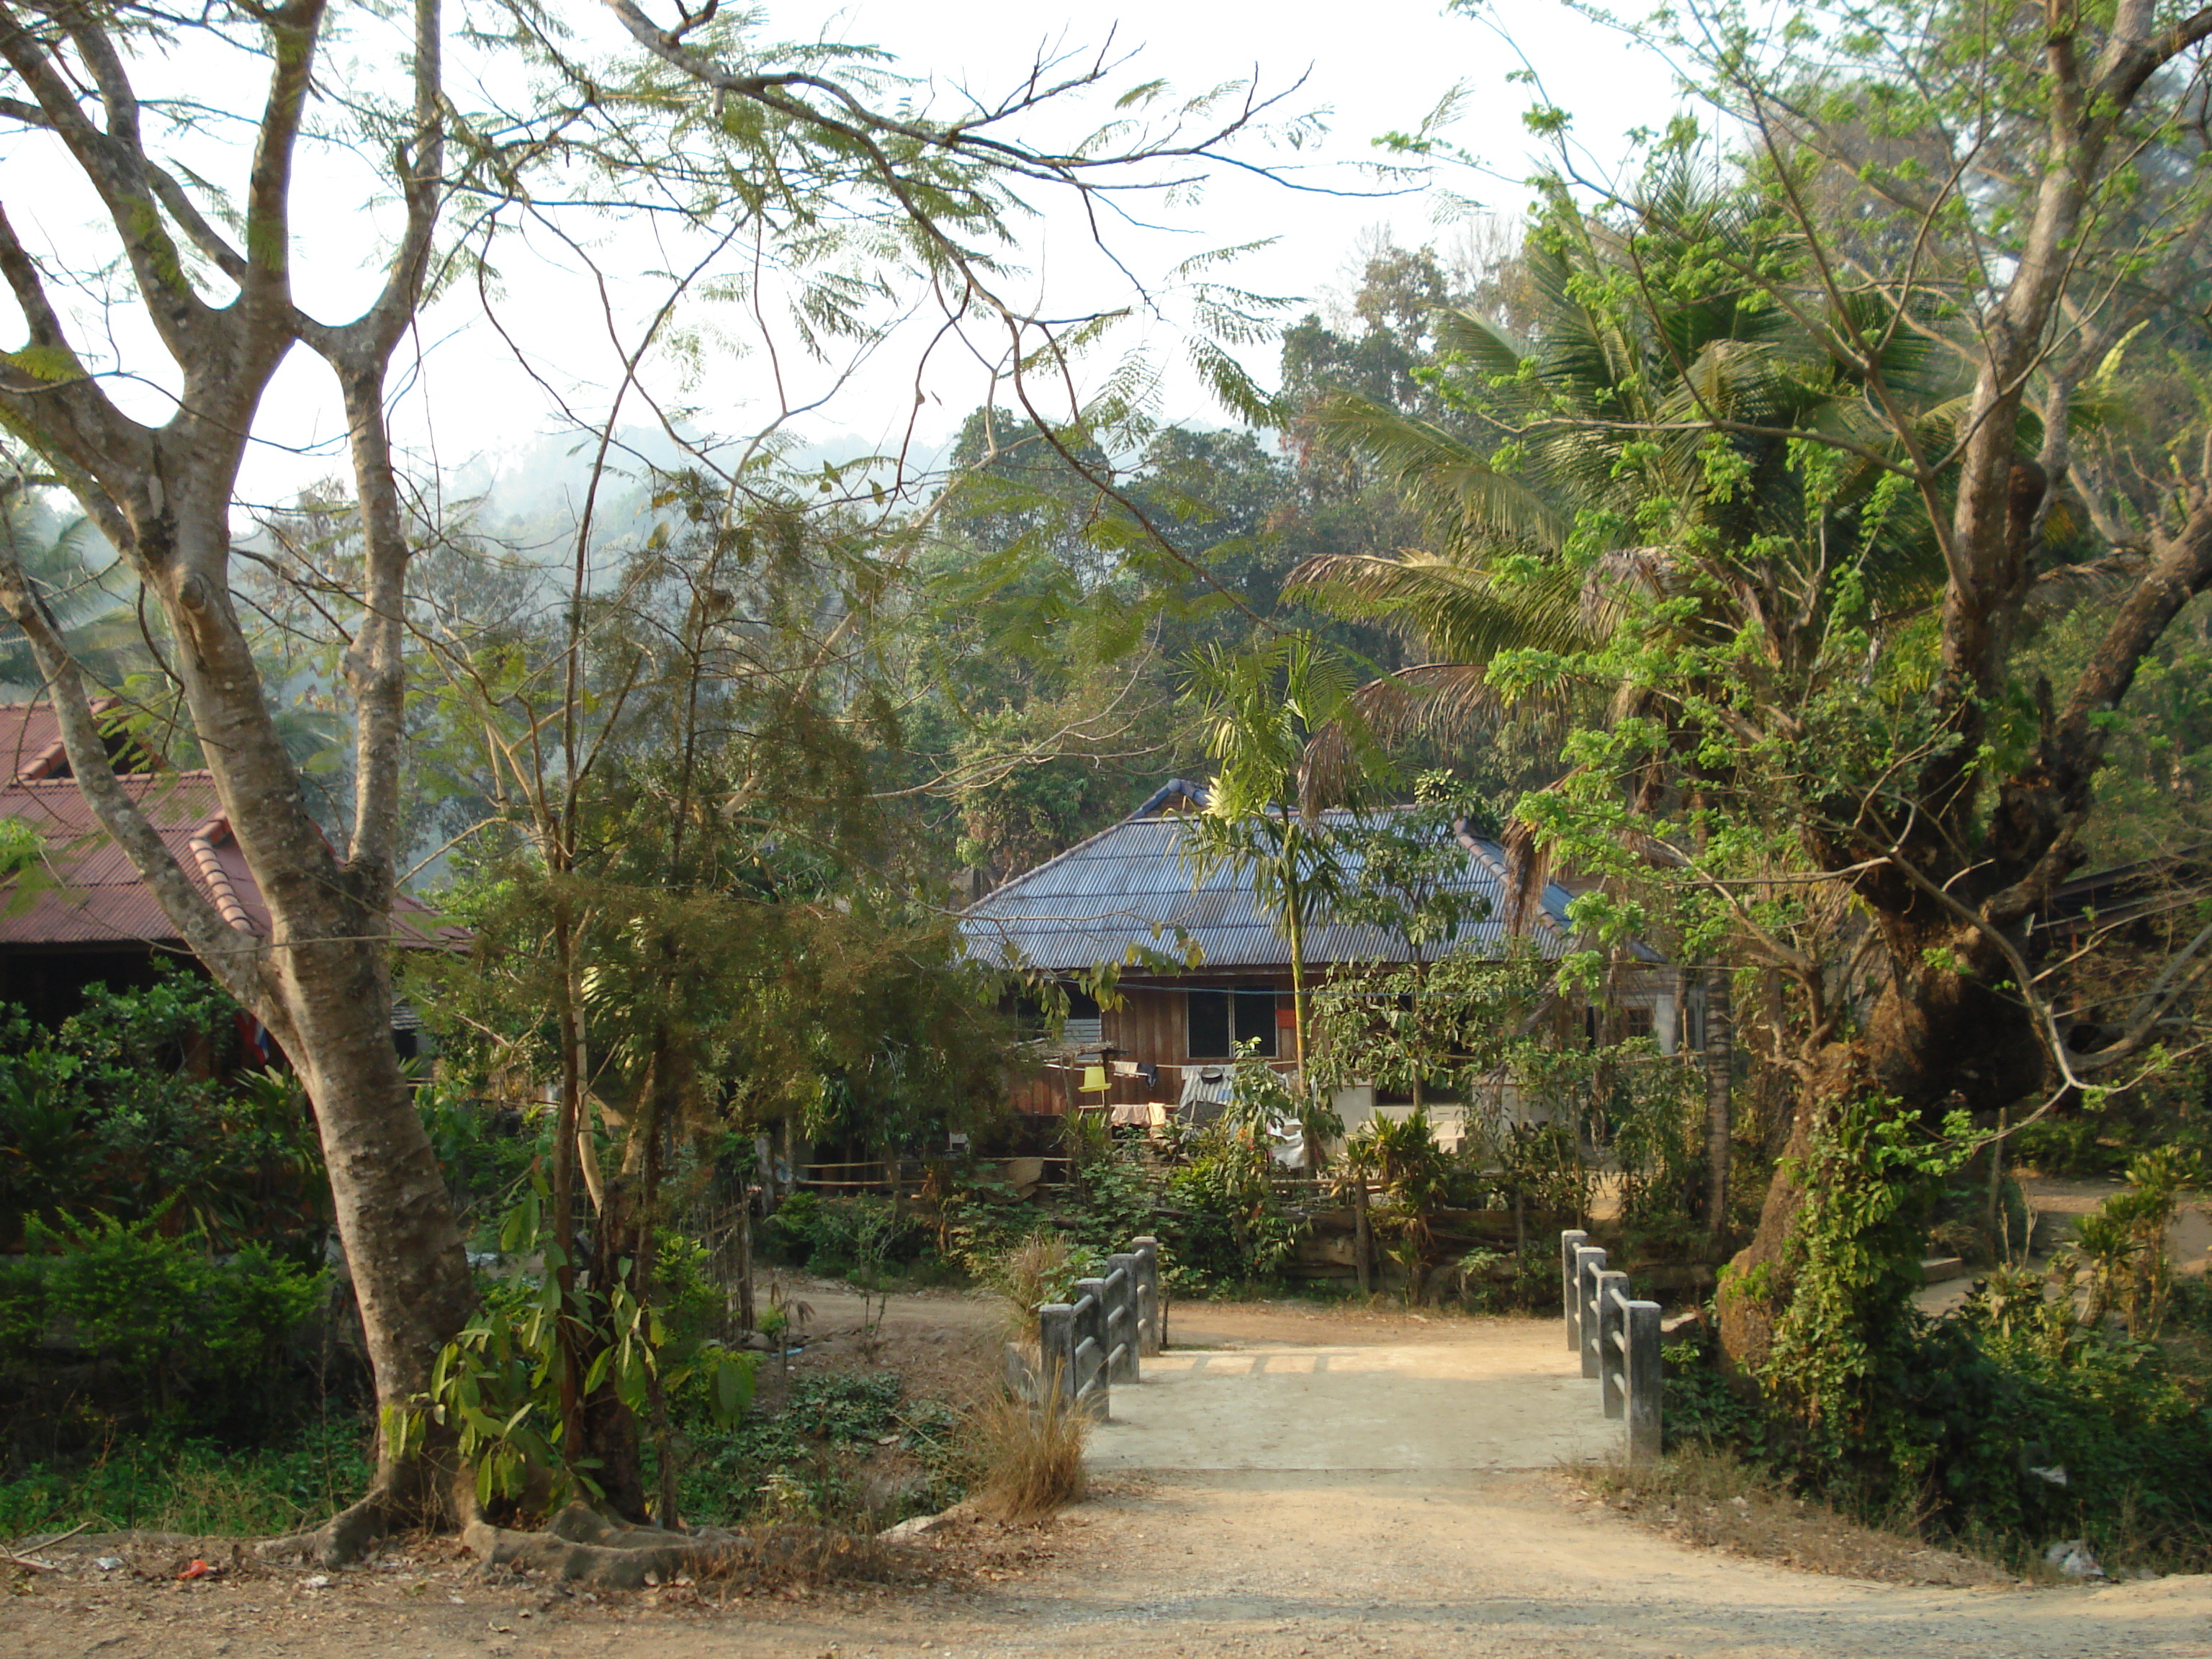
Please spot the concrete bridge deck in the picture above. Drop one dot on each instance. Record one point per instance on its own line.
(1501, 1393)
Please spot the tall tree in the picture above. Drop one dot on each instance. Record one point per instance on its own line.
(2064, 209)
(116, 100)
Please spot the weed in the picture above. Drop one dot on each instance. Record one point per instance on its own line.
(1043, 1268)
(1028, 1458)
(1712, 1497)
(160, 1484)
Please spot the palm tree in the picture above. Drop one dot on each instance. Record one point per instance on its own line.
(1643, 447)
(76, 573)
(1648, 475)
(1258, 711)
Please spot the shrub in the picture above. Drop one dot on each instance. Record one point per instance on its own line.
(1222, 1223)
(130, 1108)
(1028, 1458)
(802, 1463)
(841, 1235)
(172, 1327)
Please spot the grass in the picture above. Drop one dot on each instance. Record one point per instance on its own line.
(1028, 1458)
(1716, 1500)
(156, 1483)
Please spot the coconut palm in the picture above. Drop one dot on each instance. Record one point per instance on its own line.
(74, 571)
(1641, 453)
(1649, 471)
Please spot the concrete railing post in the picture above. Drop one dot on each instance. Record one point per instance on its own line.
(1150, 1337)
(1612, 1357)
(1091, 1382)
(1589, 1261)
(1569, 1241)
(1618, 1341)
(1643, 1380)
(1123, 1337)
(1056, 1351)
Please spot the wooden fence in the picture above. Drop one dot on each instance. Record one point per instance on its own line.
(1617, 1338)
(1086, 1346)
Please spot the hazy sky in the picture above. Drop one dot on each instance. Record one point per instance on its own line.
(1371, 67)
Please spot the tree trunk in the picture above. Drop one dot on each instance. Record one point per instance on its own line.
(1720, 1080)
(394, 1216)
(1363, 1246)
(1936, 1039)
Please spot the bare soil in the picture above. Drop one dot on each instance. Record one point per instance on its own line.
(1269, 1565)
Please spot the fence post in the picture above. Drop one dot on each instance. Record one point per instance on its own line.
(1589, 1261)
(1612, 1328)
(1122, 1318)
(1056, 1351)
(1642, 1363)
(1148, 1253)
(1091, 1330)
(1569, 1241)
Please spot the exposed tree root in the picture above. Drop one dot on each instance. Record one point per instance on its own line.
(581, 1546)
(343, 1539)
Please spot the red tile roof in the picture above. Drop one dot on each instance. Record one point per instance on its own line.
(92, 894)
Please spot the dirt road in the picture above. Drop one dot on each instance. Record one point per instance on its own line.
(1260, 1564)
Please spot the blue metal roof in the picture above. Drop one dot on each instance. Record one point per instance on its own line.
(1128, 889)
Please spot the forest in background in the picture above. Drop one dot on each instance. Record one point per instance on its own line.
(1798, 536)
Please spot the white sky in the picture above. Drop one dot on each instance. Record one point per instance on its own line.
(1374, 67)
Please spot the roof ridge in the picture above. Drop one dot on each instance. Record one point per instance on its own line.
(1055, 861)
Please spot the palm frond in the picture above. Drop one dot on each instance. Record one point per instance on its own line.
(1442, 476)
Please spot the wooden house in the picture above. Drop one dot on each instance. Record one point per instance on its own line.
(80, 912)
(1203, 968)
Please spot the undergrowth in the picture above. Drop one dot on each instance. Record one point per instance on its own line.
(160, 1483)
(810, 1461)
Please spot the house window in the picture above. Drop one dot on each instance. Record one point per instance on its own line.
(1635, 1023)
(1084, 1026)
(1220, 1019)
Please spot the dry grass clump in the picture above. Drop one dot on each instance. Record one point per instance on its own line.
(1028, 1457)
(1037, 1270)
(1715, 1500)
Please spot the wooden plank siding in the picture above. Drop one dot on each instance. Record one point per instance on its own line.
(1148, 1026)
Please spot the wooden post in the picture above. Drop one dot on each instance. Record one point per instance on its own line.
(1643, 1380)
(1056, 1351)
(1569, 1241)
(745, 1309)
(1147, 1253)
(1612, 1291)
(1361, 1246)
(1589, 1262)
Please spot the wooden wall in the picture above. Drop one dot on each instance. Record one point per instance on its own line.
(1148, 1025)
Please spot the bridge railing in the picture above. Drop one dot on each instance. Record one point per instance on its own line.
(1086, 1346)
(1616, 1337)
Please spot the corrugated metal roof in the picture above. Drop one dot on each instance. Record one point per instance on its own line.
(1129, 888)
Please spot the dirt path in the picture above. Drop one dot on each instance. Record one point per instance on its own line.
(1261, 1563)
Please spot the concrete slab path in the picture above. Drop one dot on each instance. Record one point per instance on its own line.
(1478, 1395)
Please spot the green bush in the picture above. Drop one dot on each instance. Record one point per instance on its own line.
(2071, 1146)
(1222, 1225)
(179, 1335)
(843, 1236)
(130, 1107)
